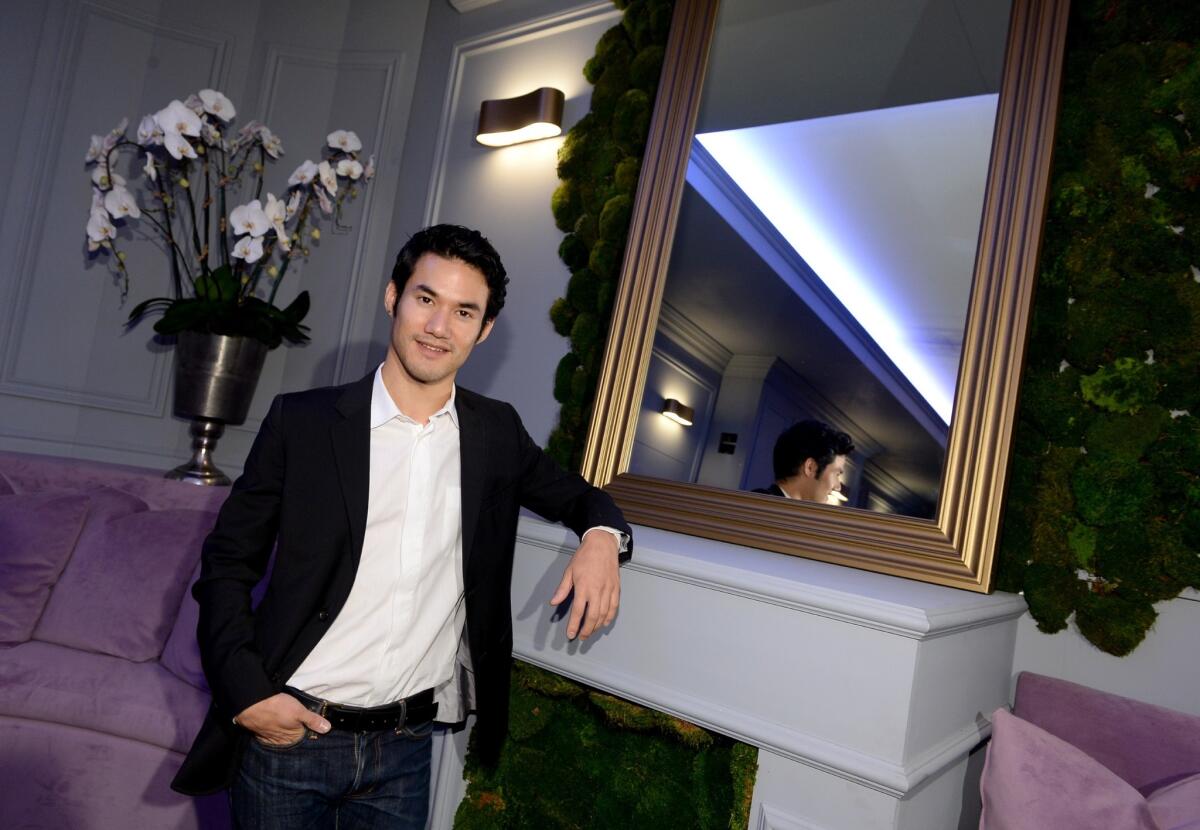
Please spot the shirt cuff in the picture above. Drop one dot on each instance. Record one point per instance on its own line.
(622, 538)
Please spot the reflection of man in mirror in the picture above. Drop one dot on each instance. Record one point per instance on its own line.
(809, 460)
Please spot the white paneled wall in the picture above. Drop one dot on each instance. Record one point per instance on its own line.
(73, 381)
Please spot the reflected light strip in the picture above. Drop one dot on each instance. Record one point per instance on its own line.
(797, 221)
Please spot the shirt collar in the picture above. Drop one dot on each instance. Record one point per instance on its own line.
(384, 409)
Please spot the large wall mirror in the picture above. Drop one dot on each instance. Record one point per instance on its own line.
(838, 219)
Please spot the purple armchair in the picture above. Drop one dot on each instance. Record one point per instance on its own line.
(1074, 758)
(100, 683)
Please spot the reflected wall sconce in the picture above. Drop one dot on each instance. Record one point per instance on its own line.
(678, 412)
(505, 121)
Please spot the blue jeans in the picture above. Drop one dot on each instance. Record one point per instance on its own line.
(336, 780)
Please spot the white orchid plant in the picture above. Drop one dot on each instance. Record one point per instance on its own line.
(226, 262)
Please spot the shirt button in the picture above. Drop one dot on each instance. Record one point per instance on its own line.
(324, 615)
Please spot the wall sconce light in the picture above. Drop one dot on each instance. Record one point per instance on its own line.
(678, 412)
(529, 117)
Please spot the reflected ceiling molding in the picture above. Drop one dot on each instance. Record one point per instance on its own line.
(679, 329)
(882, 204)
(717, 188)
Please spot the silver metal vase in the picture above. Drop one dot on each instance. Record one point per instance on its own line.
(215, 376)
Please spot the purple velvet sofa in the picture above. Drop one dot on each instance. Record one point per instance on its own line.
(101, 689)
(1074, 758)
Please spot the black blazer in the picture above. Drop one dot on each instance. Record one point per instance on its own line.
(304, 492)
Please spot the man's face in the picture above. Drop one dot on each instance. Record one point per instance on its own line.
(438, 319)
(817, 486)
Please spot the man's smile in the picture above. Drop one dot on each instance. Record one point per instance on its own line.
(431, 348)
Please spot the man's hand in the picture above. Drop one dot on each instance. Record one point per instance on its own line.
(280, 720)
(592, 574)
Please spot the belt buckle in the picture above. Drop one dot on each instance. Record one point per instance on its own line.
(403, 715)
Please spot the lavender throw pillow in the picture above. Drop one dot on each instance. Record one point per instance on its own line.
(1177, 806)
(38, 531)
(122, 590)
(1033, 780)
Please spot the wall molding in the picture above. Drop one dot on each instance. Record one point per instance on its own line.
(772, 818)
(391, 64)
(33, 226)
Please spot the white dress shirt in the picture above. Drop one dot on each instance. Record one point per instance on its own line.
(399, 630)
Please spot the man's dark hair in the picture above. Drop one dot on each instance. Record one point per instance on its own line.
(454, 242)
(808, 439)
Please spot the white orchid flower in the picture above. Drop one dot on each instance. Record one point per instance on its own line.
(115, 135)
(249, 218)
(369, 170)
(100, 227)
(250, 130)
(194, 103)
(150, 170)
(293, 204)
(248, 248)
(217, 104)
(277, 214)
(303, 174)
(177, 118)
(326, 205)
(271, 143)
(210, 134)
(178, 146)
(120, 204)
(149, 133)
(345, 140)
(350, 168)
(95, 150)
(328, 177)
(105, 180)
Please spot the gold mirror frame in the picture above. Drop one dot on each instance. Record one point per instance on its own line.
(957, 546)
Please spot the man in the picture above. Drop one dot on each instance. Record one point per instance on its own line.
(809, 461)
(392, 503)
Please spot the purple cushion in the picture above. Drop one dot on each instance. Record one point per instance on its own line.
(37, 534)
(121, 591)
(1033, 780)
(5, 487)
(1148, 746)
(140, 701)
(1177, 806)
(59, 777)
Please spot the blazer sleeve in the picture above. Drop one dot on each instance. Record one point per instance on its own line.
(561, 496)
(233, 561)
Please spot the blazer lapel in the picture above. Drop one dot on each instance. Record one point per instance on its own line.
(351, 434)
(472, 444)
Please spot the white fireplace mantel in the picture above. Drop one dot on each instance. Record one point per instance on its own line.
(864, 693)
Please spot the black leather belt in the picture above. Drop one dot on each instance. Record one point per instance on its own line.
(415, 710)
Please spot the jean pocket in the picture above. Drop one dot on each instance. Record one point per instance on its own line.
(259, 742)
